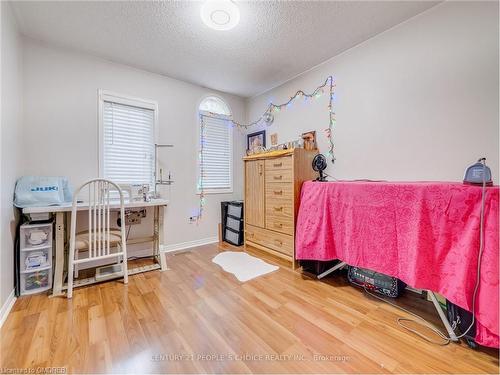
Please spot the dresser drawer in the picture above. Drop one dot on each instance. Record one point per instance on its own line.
(279, 175)
(280, 242)
(281, 191)
(283, 163)
(280, 224)
(279, 169)
(281, 208)
(279, 215)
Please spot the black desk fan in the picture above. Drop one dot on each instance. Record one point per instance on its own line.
(319, 164)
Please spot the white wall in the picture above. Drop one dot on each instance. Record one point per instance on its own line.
(417, 102)
(11, 56)
(61, 128)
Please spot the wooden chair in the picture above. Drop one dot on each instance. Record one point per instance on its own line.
(100, 239)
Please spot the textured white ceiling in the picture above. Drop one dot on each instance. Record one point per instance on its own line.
(273, 42)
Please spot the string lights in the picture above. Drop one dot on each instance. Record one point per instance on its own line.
(202, 171)
(266, 118)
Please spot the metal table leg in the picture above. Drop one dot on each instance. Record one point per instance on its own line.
(443, 317)
(333, 269)
(57, 287)
(160, 240)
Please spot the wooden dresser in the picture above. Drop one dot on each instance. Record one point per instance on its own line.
(272, 192)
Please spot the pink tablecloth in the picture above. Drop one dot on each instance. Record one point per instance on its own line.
(424, 233)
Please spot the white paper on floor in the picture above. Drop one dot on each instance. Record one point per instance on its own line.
(245, 267)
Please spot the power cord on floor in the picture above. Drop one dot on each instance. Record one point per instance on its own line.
(424, 322)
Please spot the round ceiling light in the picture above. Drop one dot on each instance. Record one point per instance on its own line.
(220, 14)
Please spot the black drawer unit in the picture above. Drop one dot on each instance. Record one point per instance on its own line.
(232, 222)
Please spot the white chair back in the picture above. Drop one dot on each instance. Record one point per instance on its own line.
(99, 214)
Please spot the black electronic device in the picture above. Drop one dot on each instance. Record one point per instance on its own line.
(375, 281)
(319, 164)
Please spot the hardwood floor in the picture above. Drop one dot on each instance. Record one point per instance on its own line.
(196, 318)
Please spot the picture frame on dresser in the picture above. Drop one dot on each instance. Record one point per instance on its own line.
(256, 140)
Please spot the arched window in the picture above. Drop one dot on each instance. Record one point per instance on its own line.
(215, 105)
(216, 139)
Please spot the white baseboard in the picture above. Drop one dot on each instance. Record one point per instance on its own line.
(188, 244)
(7, 306)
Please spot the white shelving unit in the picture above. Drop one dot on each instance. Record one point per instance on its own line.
(35, 258)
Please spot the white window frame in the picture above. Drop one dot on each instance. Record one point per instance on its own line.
(231, 148)
(110, 96)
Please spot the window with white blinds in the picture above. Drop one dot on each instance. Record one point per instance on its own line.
(216, 157)
(127, 140)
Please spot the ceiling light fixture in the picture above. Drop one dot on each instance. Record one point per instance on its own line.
(220, 14)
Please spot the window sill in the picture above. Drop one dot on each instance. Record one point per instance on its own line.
(216, 191)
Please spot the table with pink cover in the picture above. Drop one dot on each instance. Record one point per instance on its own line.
(424, 233)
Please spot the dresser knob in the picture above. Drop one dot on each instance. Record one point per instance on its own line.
(278, 208)
(278, 192)
(277, 164)
(278, 177)
(278, 242)
(278, 225)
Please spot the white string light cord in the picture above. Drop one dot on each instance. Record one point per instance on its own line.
(264, 119)
(202, 171)
(425, 323)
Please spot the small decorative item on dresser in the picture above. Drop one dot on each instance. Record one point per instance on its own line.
(256, 140)
(309, 140)
(274, 139)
